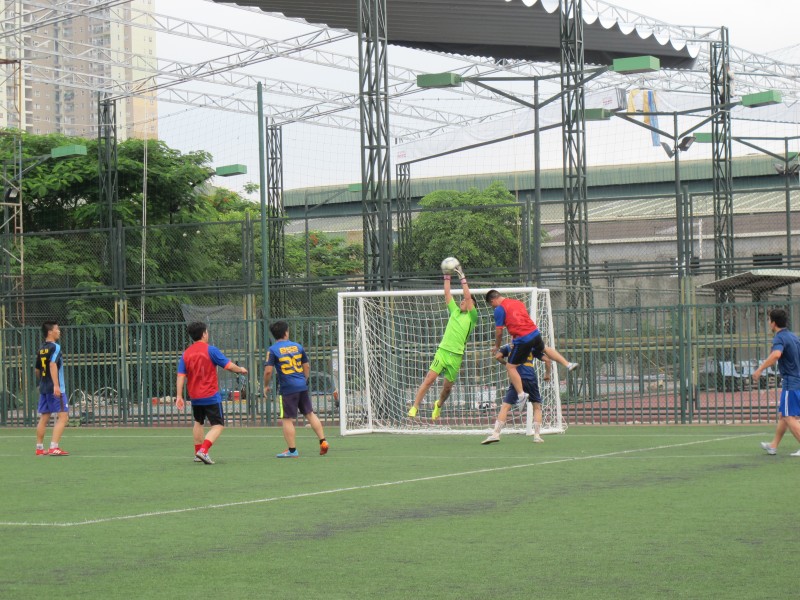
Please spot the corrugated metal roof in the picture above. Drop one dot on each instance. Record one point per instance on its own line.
(488, 28)
(552, 179)
(760, 280)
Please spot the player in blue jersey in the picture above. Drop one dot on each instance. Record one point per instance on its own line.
(785, 352)
(197, 367)
(290, 361)
(52, 394)
(530, 385)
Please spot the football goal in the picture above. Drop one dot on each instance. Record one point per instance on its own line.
(387, 341)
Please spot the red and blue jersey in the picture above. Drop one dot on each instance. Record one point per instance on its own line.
(287, 358)
(513, 315)
(199, 363)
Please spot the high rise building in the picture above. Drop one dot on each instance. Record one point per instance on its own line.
(56, 60)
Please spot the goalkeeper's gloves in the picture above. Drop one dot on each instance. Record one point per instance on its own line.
(460, 272)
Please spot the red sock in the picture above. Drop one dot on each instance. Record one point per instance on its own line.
(206, 445)
(197, 447)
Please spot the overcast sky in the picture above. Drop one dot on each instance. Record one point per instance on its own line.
(767, 27)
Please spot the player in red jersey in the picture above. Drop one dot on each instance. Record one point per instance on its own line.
(198, 368)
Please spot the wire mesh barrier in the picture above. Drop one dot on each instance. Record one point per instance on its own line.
(688, 363)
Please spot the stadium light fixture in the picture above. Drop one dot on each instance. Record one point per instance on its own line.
(686, 142)
(231, 170)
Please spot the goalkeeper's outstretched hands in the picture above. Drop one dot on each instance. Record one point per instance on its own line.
(458, 270)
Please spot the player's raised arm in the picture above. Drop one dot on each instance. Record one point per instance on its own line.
(459, 272)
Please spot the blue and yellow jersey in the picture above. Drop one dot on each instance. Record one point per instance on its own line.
(525, 370)
(287, 358)
(49, 352)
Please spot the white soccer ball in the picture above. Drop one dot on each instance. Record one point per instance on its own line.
(449, 265)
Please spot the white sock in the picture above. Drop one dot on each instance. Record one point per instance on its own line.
(53, 445)
(498, 425)
(537, 428)
(40, 446)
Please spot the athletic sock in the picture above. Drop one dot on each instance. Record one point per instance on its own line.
(40, 446)
(292, 449)
(498, 426)
(322, 440)
(197, 447)
(537, 428)
(53, 445)
(206, 445)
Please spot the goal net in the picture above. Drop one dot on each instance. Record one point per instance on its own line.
(387, 341)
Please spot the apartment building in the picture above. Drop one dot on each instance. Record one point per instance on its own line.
(57, 60)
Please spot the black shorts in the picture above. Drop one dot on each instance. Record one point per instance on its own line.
(212, 412)
(521, 350)
(291, 403)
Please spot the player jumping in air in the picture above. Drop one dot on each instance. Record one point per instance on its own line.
(447, 359)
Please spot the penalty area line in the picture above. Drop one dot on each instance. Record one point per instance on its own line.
(371, 486)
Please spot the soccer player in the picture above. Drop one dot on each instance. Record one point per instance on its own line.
(52, 394)
(198, 368)
(785, 352)
(530, 384)
(526, 337)
(450, 353)
(291, 362)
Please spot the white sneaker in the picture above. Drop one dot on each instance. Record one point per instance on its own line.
(795, 453)
(572, 366)
(770, 450)
(522, 398)
(494, 437)
(538, 440)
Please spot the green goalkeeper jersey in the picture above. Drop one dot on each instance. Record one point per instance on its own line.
(458, 328)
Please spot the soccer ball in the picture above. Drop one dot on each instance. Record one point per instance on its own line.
(449, 265)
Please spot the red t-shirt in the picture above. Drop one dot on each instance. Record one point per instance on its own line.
(514, 315)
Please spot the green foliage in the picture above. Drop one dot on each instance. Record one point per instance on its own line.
(329, 256)
(477, 226)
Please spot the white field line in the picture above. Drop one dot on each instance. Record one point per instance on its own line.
(160, 513)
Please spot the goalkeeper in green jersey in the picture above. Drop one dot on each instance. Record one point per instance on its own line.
(447, 359)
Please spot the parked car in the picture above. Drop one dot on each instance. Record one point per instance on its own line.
(320, 387)
(721, 375)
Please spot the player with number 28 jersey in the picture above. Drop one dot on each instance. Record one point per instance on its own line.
(287, 358)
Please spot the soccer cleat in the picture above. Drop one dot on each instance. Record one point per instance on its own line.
(323, 448)
(522, 398)
(572, 366)
(412, 412)
(795, 453)
(288, 454)
(770, 450)
(538, 439)
(494, 437)
(437, 411)
(204, 457)
(197, 459)
(41, 452)
(57, 452)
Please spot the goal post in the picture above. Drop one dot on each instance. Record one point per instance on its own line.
(387, 341)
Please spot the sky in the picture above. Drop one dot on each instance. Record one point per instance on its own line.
(316, 156)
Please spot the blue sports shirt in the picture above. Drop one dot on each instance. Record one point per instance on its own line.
(789, 362)
(50, 352)
(287, 358)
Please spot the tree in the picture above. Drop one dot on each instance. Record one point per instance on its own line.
(479, 227)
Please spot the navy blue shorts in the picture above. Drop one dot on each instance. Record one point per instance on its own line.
(291, 403)
(520, 350)
(529, 386)
(48, 403)
(212, 412)
(789, 404)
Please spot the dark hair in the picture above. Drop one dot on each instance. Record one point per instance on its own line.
(278, 329)
(491, 295)
(47, 327)
(196, 330)
(779, 317)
